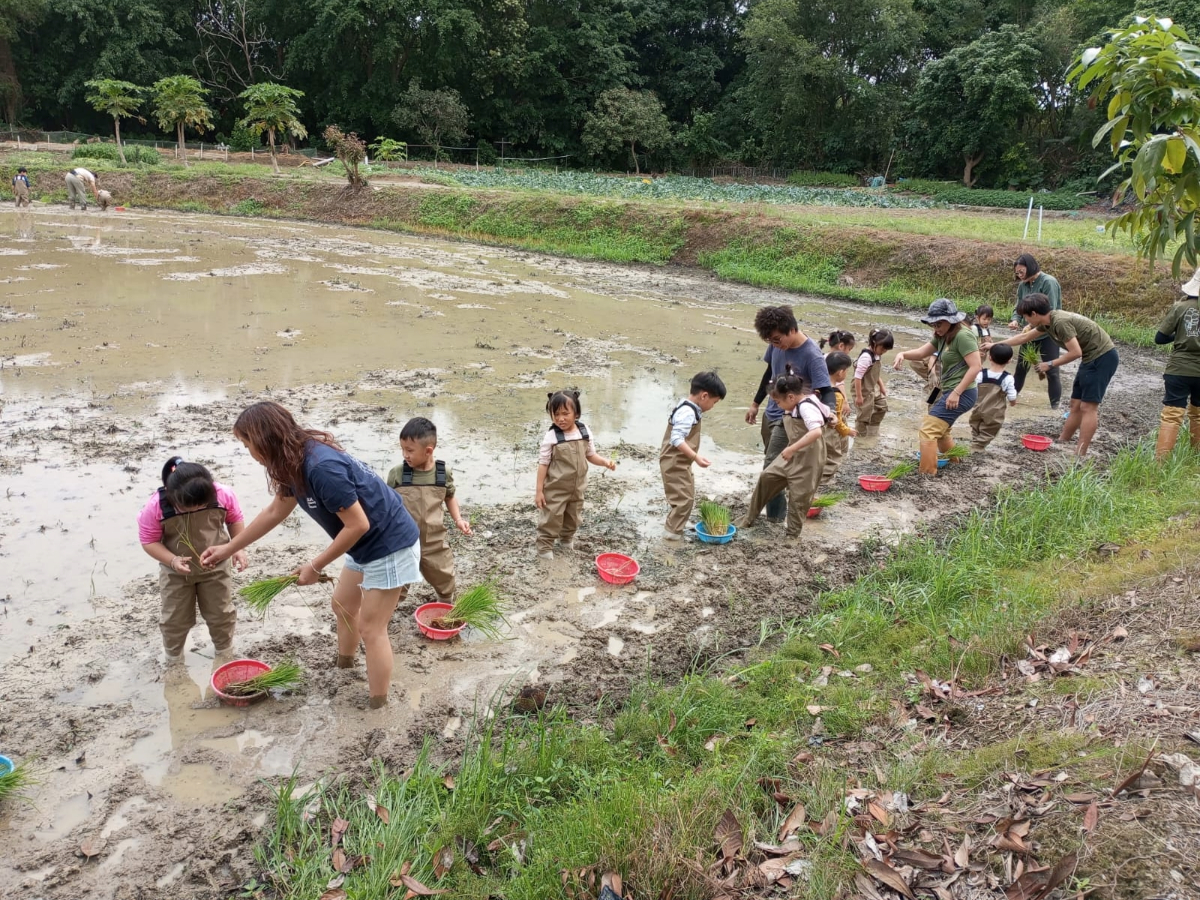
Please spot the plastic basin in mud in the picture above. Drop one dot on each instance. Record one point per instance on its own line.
(427, 612)
(617, 568)
(943, 461)
(1037, 442)
(702, 533)
(238, 670)
(874, 483)
(815, 511)
(6, 765)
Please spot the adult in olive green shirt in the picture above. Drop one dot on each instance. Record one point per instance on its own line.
(957, 352)
(1181, 328)
(1032, 280)
(1084, 340)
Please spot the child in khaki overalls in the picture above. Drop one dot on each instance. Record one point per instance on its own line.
(837, 441)
(997, 392)
(563, 458)
(183, 518)
(799, 466)
(681, 447)
(870, 394)
(426, 486)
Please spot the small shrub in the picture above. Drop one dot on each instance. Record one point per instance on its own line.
(1009, 199)
(243, 140)
(134, 155)
(248, 207)
(822, 179)
(193, 206)
(922, 186)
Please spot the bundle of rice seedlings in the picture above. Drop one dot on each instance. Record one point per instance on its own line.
(900, 470)
(716, 518)
(481, 608)
(283, 677)
(958, 451)
(828, 500)
(259, 594)
(1031, 356)
(15, 782)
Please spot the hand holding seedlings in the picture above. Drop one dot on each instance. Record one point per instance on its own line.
(307, 574)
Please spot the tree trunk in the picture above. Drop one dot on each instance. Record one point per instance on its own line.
(10, 86)
(117, 130)
(182, 148)
(969, 163)
(271, 141)
(633, 153)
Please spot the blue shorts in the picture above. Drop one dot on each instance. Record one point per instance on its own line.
(966, 400)
(1091, 381)
(392, 571)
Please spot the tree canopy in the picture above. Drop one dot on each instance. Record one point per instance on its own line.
(272, 108)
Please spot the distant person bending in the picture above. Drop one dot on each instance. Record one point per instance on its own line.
(79, 182)
(1032, 280)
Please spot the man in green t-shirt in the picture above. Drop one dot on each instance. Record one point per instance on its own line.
(1181, 328)
(1084, 340)
(1032, 280)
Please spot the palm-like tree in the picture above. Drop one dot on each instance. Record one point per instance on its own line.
(178, 104)
(271, 107)
(119, 99)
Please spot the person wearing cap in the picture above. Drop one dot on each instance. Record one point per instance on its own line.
(1032, 280)
(1084, 340)
(77, 179)
(957, 353)
(1180, 327)
(20, 183)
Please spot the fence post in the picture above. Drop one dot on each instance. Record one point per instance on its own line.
(202, 149)
(476, 157)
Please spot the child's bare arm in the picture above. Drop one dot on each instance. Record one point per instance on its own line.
(452, 507)
(158, 551)
(539, 496)
(812, 436)
(597, 460)
(858, 397)
(240, 559)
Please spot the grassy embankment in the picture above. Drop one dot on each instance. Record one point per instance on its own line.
(895, 257)
(639, 790)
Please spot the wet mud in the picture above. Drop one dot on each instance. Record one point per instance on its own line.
(127, 338)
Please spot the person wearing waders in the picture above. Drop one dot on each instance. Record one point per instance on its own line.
(79, 182)
(1032, 280)
(997, 393)
(799, 465)
(182, 519)
(563, 458)
(426, 486)
(870, 393)
(1181, 380)
(957, 352)
(838, 364)
(20, 183)
(790, 351)
(681, 447)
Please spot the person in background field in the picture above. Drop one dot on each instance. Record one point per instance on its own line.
(981, 324)
(997, 392)
(681, 447)
(837, 342)
(181, 520)
(366, 522)
(1032, 280)
(870, 394)
(793, 352)
(1180, 327)
(1084, 340)
(20, 184)
(426, 486)
(838, 445)
(104, 198)
(79, 182)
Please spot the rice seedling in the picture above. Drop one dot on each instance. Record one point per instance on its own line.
(15, 781)
(1031, 356)
(828, 500)
(900, 470)
(716, 518)
(259, 594)
(481, 608)
(283, 677)
(958, 451)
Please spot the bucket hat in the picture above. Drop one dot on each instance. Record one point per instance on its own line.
(943, 310)
(1192, 288)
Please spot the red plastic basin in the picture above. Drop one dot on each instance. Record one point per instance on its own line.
(1037, 442)
(814, 511)
(617, 568)
(238, 670)
(874, 482)
(427, 612)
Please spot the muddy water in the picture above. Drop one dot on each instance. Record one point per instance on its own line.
(128, 337)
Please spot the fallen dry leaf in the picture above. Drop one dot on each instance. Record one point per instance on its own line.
(333, 894)
(336, 881)
(829, 648)
(879, 814)
(885, 874)
(419, 889)
(666, 745)
(448, 781)
(962, 856)
(918, 858)
(671, 722)
(336, 830)
(1091, 817)
(814, 710)
(92, 846)
(339, 859)
(711, 744)
(443, 860)
(728, 835)
(794, 821)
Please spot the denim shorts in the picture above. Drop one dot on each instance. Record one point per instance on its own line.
(966, 400)
(392, 571)
(1091, 381)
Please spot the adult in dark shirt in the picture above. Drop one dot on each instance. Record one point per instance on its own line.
(364, 518)
(1181, 381)
(790, 351)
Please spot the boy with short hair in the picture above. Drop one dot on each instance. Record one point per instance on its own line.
(681, 447)
(20, 183)
(426, 485)
(981, 323)
(997, 392)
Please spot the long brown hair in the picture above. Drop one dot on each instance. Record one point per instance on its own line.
(271, 430)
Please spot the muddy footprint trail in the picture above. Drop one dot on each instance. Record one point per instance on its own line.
(127, 338)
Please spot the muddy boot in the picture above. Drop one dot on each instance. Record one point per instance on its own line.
(377, 702)
(929, 458)
(1170, 422)
(345, 662)
(1194, 425)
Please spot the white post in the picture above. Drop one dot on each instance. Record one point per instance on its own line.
(1039, 224)
(1028, 213)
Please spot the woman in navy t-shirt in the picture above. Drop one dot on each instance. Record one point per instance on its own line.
(365, 519)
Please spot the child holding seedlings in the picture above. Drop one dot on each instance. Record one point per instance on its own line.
(800, 464)
(997, 392)
(681, 447)
(870, 394)
(837, 440)
(427, 487)
(563, 458)
(182, 519)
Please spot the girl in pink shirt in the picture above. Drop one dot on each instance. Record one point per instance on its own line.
(183, 518)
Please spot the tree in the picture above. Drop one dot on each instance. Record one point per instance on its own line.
(233, 47)
(621, 117)
(178, 104)
(351, 150)
(15, 15)
(969, 103)
(119, 99)
(435, 115)
(272, 107)
(1151, 69)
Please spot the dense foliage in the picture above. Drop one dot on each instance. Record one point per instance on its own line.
(946, 89)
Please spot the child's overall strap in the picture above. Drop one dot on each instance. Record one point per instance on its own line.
(165, 509)
(671, 417)
(828, 420)
(867, 352)
(439, 477)
(560, 436)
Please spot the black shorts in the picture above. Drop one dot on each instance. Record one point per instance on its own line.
(1091, 381)
(1180, 390)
